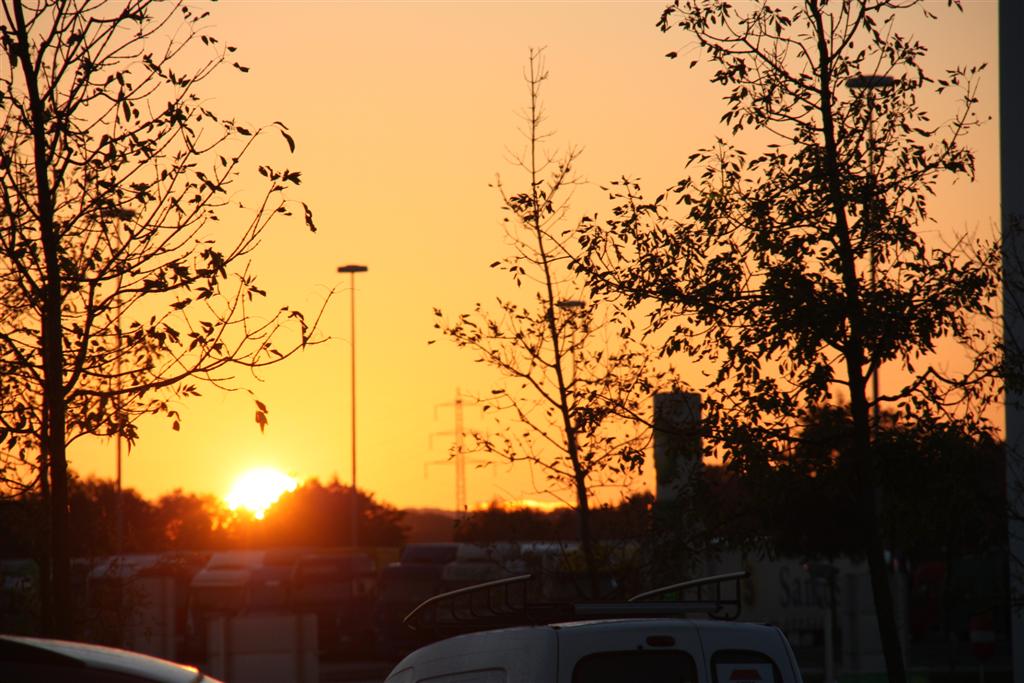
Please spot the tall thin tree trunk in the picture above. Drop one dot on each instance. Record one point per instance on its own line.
(586, 533)
(51, 339)
(536, 76)
(42, 544)
(854, 353)
(881, 589)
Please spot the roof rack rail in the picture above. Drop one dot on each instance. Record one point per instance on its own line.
(718, 599)
(493, 604)
(507, 602)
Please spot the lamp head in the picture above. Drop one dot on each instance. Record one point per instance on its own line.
(870, 82)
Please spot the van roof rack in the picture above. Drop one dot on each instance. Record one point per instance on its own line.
(716, 581)
(507, 602)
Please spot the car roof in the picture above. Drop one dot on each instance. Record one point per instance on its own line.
(111, 659)
(483, 648)
(702, 624)
(613, 625)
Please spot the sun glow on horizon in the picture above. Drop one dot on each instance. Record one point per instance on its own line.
(523, 504)
(257, 489)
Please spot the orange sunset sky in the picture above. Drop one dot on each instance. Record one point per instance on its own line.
(403, 112)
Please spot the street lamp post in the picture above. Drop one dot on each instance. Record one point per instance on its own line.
(869, 83)
(352, 269)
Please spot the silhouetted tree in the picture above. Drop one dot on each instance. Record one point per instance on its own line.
(429, 525)
(119, 290)
(572, 409)
(943, 491)
(316, 515)
(21, 519)
(176, 521)
(628, 520)
(940, 493)
(93, 507)
(497, 524)
(186, 521)
(800, 270)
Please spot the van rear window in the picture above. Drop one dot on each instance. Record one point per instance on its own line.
(649, 666)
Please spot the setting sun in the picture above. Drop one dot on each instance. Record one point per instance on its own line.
(258, 489)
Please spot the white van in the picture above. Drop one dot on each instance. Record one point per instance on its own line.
(619, 649)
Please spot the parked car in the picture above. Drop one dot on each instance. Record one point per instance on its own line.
(31, 660)
(424, 570)
(340, 588)
(140, 602)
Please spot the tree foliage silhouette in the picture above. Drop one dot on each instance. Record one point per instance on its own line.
(176, 521)
(940, 492)
(124, 279)
(571, 407)
(798, 271)
(317, 515)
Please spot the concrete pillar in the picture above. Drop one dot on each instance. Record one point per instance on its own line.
(674, 551)
(677, 442)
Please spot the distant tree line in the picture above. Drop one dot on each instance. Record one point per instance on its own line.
(941, 497)
(315, 514)
(628, 519)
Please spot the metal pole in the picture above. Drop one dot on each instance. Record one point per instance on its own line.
(460, 460)
(870, 83)
(354, 508)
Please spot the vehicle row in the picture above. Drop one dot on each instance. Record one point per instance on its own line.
(162, 604)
